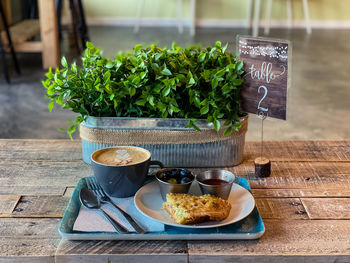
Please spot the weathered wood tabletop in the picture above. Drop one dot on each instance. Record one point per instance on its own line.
(305, 205)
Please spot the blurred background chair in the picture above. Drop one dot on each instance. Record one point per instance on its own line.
(179, 16)
(140, 13)
(256, 15)
(289, 15)
(6, 44)
(80, 29)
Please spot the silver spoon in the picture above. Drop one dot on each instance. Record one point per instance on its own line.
(90, 200)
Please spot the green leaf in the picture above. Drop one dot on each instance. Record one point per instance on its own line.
(59, 82)
(216, 125)
(132, 91)
(89, 45)
(237, 82)
(239, 65)
(197, 102)
(221, 72)
(143, 75)
(196, 127)
(201, 57)
(110, 65)
(220, 115)
(64, 62)
(192, 81)
(204, 110)
(237, 126)
(161, 107)
(214, 82)
(141, 102)
(71, 129)
(50, 106)
(224, 48)
(49, 74)
(133, 60)
(136, 80)
(166, 72)
(107, 76)
(228, 131)
(166, 91)
(151, 100)
(227, 122)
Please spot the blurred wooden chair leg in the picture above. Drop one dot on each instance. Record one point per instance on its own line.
(256, 18)
(307, 17)
(3, 62)
(193, 17)
(249, 13)
(139, 15)
(268, 17)
(179, 16)
(9, 45)
(83, 30)
(289, 14)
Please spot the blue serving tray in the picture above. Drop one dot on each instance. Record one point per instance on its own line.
(251, 227)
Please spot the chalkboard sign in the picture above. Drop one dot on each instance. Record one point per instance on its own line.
(266, 77)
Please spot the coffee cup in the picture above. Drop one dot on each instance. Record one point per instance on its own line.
(122, 170)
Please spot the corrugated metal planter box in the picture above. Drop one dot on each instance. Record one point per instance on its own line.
(166, 139)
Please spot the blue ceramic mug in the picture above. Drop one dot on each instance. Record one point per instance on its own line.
(122, 170)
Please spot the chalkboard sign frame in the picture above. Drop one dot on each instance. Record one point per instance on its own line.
(248, 100)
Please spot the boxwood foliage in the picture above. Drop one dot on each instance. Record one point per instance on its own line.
(192, 83)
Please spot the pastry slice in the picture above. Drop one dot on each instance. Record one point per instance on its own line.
(189, 209)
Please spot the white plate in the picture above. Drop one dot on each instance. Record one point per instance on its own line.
(149, 202)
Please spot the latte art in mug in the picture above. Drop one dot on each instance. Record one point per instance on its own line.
(121, 156)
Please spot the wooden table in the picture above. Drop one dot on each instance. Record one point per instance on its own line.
(305, 205)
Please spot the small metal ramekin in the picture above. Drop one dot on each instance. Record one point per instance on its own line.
(222, 191)
(166, 188)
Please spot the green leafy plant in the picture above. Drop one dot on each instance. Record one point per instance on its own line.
(192, 83)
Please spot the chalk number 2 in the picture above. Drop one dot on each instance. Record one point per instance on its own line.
(265, 94)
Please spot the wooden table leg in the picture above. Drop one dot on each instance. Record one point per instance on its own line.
(49, 33)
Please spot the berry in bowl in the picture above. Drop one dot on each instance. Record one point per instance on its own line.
(174, 180)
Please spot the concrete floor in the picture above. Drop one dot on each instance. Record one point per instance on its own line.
(318, 102)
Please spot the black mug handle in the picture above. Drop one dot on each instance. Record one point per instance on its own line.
(150, 177)
(156, 163)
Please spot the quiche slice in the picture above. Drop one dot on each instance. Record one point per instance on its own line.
(189, 209)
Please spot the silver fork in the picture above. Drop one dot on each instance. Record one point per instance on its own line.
(96, 188)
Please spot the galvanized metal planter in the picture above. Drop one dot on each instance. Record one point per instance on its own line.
(181, 147)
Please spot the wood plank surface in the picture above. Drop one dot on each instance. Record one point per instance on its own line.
(69, 191)
(302, 151)
(284, 241)
(121, 251)
(301, 192)
(42, 173)
(29, 228)
(327, 208)
(62, 150)
(58, 150)
(309, 181)
(302, 175)
(41, 206)
(32, 190)
(8, 203)
(28, 249)
(281, 208)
